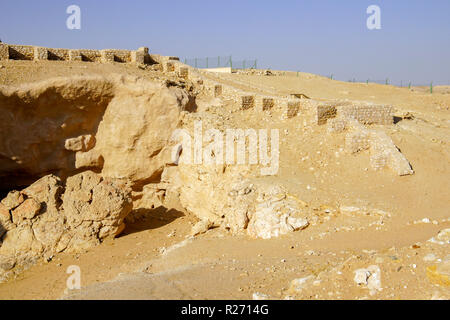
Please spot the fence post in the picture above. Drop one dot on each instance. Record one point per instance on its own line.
(431, 87)
(387, 81)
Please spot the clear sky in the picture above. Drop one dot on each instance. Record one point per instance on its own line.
(318, 36)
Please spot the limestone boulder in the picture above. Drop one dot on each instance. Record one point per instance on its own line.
(133, 137)
(55, 217)
(236, 200)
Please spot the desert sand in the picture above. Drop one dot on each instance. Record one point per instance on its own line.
(357, 209)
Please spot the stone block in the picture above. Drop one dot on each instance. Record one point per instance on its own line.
(107, 55)
(293, 107)
(184, 72)
(369, 114)
(248, 102)
(21, 52)
(75, 55)
(267, 103)
(138, 57)
(218, 90)
(170, 67)
(40, 53)
(324, 113)
(4, 51)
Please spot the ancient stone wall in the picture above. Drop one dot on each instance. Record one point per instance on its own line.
(248, 102)
(325, 112)
(292, 105)
(19, 52)
(368, 114)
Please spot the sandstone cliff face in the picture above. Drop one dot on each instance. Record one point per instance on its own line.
(117, 124)
(133, 137)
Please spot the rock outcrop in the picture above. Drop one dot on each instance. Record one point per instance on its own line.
(239, 201)
(383, 151)
(120, 125)
(50, 217)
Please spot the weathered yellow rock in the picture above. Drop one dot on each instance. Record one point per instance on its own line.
(126, 121)
(27, 210)
(439, 275)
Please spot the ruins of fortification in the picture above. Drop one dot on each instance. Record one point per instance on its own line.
(126, 156)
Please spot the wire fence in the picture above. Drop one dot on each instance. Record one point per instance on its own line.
(221, 62)
(227, 61)
(400, 83)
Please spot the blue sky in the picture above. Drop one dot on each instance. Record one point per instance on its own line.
(318, 36)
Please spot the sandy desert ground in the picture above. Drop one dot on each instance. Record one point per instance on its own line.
(371, 234)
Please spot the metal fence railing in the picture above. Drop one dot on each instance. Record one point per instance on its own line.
(401, 83)
(220, 62)
(387, 81)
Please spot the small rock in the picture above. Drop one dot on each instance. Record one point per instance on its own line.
(7, 263)
(444, 235)
(13, 200)
(27, 210)
(201, 227)
(370, 277)
(297, 285)
(260, 296)
(429, 257)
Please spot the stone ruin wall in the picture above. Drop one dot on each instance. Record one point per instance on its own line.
(21, 52)
(292, 107)
(368, 114)
(322, 111)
